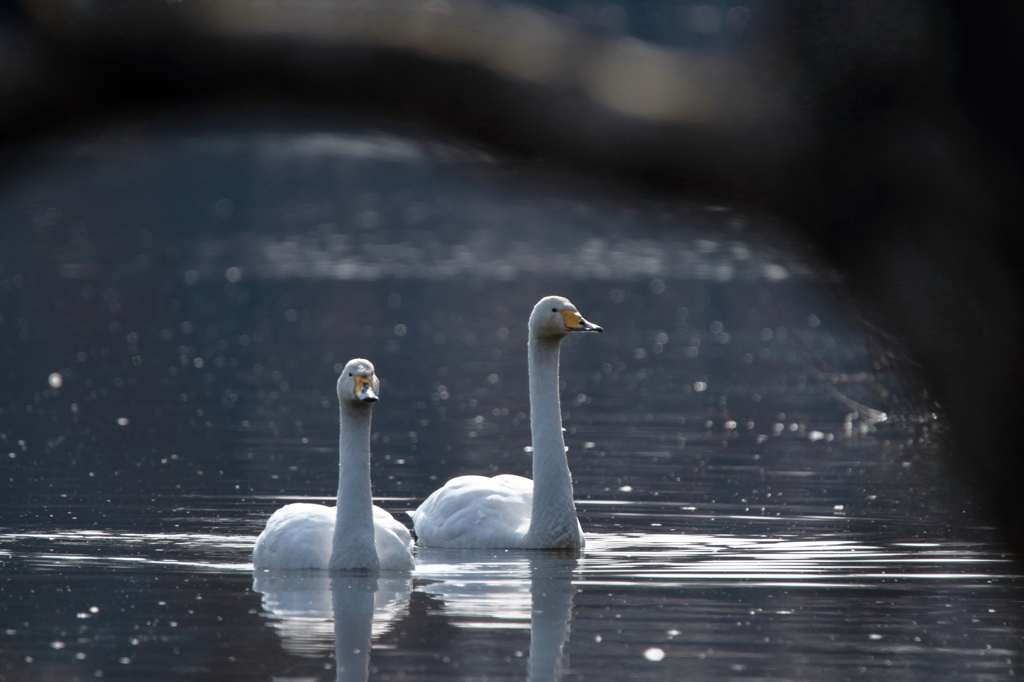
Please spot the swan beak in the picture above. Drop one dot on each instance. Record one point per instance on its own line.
(574, 322)
(362, 389)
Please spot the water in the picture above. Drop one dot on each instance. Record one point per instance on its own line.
(760, 493)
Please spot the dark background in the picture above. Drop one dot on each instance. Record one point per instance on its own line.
(885, 135)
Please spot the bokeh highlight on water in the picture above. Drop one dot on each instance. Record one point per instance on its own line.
(758, 483)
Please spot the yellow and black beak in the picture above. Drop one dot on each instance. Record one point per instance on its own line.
(574, 322)
(362, 389)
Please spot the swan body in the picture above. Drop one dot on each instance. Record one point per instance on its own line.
(301, 535)
(354, 535)
(511, 511)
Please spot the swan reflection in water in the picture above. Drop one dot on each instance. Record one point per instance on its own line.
(315, 611)
(507, 589)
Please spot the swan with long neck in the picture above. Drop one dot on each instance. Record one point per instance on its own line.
(511, 511)
(354, 535)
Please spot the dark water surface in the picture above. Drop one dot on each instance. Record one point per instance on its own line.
(760, 493)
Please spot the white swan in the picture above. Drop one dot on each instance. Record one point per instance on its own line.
(512, 511)
(355, 534)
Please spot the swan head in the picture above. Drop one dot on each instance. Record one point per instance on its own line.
(358, 382)
(555, 317)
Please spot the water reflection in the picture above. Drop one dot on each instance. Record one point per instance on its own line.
(551, 594)
(694, 559)
(121, 550)
(695, 605)
(490, 589)
(315, 611)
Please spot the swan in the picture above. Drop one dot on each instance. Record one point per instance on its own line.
(355, 534)
(511, 511)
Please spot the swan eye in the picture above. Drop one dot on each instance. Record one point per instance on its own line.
(350, 373)
(554, 310)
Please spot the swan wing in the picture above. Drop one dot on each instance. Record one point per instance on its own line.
(476, 512)
(296, 536)
(393, 540)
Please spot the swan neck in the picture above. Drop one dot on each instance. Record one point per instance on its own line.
(354, 545)
(553, 520)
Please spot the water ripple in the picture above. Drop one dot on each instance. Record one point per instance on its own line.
(610, 558)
